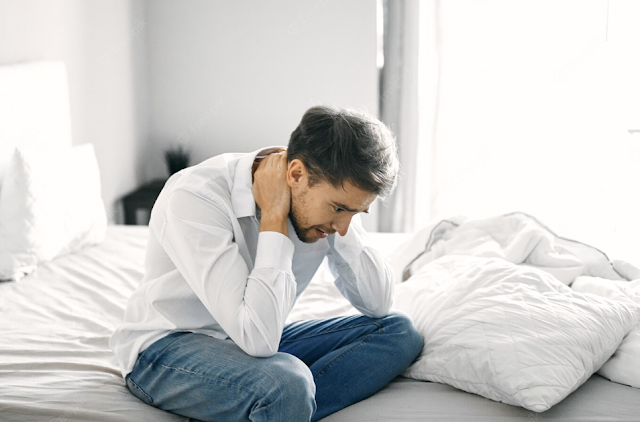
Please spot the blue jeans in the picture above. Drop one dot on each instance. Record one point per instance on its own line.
(321, 367)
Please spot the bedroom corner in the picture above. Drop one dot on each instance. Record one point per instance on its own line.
(302, 210)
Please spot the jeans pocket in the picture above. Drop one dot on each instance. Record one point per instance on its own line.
(138, 391)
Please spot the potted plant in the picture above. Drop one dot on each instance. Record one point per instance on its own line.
(177, 158)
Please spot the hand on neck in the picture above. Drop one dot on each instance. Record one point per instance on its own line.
(261, 155)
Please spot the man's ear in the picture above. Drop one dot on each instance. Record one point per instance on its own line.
(297, 174)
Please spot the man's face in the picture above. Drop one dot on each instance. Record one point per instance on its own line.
(322, 210)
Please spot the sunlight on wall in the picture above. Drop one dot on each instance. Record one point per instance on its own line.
(536, 101)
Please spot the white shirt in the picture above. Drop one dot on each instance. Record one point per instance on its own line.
(210, 270)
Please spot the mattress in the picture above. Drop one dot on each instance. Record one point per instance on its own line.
(55, 362)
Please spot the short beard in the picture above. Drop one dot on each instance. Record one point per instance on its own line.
(298, 228)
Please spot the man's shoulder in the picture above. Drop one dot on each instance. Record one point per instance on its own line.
(211, 179)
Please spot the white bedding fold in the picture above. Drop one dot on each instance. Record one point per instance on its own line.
(491, 299)
(55, 361)
(517, 238)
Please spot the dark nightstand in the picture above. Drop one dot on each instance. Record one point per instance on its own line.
(137, 204)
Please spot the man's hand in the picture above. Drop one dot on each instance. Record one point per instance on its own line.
(272, 193)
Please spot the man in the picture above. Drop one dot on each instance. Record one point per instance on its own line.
(234, 240)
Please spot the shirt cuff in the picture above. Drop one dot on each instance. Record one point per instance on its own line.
(275, 250)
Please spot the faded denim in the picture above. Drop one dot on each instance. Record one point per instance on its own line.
(321, 367)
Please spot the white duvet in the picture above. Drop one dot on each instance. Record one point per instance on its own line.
(624, 365)
(491, 298)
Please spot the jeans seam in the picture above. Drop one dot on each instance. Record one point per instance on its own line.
(220, 380)
(356, 346)
(135, 384)
(332, 331)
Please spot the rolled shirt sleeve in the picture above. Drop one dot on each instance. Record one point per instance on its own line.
(362, 276)
(250, 306)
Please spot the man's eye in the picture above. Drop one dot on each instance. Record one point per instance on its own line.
(338, 209)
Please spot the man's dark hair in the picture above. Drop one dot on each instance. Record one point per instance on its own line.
(339, 145)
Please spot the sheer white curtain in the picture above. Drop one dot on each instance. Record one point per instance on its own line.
(399, 108)
(526, 106)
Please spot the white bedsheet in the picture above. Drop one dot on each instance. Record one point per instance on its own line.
(55, 361)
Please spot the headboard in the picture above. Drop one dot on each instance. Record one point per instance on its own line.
(34, 108)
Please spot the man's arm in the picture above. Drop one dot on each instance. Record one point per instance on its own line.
(250, 307)
(362, 276)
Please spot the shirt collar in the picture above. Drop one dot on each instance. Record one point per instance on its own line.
(241, 194)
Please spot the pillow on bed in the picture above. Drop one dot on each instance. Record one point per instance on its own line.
(510, 333)
(50, 205)
(624, 365)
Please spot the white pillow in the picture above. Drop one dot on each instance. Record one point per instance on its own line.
(510, 333)
(50, 205)
(624, 365)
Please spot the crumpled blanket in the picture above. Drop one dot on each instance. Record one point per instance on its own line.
(516, 237)
(457, 265)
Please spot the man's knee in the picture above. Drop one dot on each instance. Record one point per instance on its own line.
(399, 324)
(295, 375)
(289, 386)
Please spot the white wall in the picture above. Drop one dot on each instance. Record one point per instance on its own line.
(236, 76)
(218, 76)
(539, 120)
(102, 44)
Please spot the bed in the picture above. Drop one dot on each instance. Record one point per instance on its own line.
(55, 362)
(55, 322)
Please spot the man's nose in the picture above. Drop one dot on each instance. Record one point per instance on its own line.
(342, 225)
